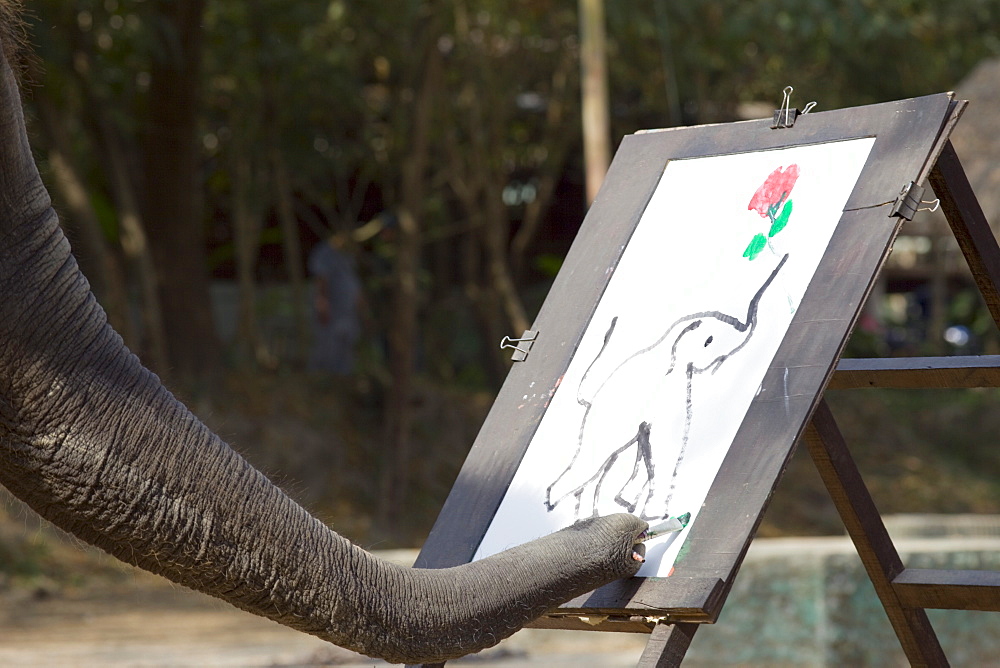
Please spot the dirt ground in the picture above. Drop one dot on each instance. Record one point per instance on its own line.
(142, 620)
(141, 623)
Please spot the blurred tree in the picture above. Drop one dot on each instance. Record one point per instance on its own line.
(172, 189)
(840, 53)
(514, 121)
(236, 66)
(88, 112)
(596, 115)
(455, 126)
(452, 126)
(285, 106)
(421, 87)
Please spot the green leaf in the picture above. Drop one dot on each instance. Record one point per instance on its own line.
(782, 220)
(755, 246)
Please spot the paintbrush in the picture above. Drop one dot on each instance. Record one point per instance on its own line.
(671, 525)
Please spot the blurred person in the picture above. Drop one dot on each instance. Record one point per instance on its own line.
(336, 321)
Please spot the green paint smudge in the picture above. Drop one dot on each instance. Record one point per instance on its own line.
(755, 246)
(682, 553)
(782, 220)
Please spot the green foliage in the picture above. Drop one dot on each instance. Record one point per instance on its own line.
(331, 88)
(837, 53)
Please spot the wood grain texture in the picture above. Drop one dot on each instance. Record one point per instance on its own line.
(864, 524)
(949, 589)
(917, 372)
(955, 110)
(667, 646)
(645, 596)
(592, 621)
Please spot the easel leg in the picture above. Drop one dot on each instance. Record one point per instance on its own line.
(667, 645)
(864, 524)
(967, 221)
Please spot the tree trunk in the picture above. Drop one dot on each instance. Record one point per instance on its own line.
(937, 299)
(403, 334)
(293, 252)
(559, 119)
(499, 276)
(246, 233)
(282, 189)
(594, 87)
(136, 246)
(173, 212)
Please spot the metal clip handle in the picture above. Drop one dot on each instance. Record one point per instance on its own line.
(521, 346)
(786, 114)
(935, 202)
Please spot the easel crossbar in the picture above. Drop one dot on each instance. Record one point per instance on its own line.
(917, 373)
(948, 589)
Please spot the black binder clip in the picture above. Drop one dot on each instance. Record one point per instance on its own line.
(908, 202)
(785, 116)
(521, 346)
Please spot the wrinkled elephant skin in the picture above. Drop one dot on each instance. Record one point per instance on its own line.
(93, 442)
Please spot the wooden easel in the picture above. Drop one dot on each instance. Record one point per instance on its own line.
(672, 609)
(905, 593)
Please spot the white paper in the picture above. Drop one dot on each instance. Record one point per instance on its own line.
(649, 406)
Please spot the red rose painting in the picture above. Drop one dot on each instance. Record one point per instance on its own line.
(772, 201)
(774, 191)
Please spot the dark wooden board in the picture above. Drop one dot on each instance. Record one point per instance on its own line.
(949, 589)
(955, 111)
(667, 646)
(643, 598)
(594, 621)
(906, 133)
(917, 372)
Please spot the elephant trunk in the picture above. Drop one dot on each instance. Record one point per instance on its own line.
(92, 441)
